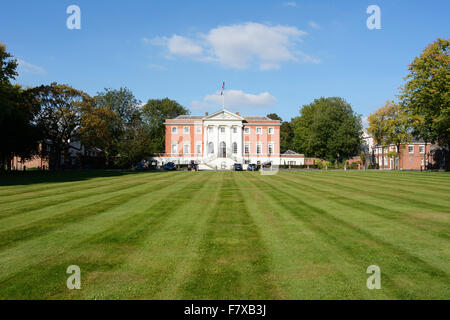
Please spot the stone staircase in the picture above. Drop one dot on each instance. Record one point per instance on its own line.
(216, 163)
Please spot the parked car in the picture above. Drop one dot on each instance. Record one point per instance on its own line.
(192, 166)
(238, 167)
(152, 164)
(169, 166)
(267, 164)
(252, 167)
(141, 166)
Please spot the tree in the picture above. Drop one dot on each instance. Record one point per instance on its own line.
(274, 116)
(122, 102)
(286, 136)
(110, 123)
(98, 130)
(20, 134)
(154, 113)
(390, 124)
(60, 116)
(328, 128)
(426, 93)
(8, 66)
(377, 129)
(18, 107)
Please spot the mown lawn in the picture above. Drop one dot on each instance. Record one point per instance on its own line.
(225, 235)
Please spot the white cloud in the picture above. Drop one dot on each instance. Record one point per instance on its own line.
(236, 99)
(183, 46)
(30, 68)
(307, 58)
(313, 25)
(176, 45)
(290, 4)
(239, 46)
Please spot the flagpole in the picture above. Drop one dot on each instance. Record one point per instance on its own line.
(223, 95)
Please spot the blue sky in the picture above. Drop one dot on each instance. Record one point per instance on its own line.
(274, 56)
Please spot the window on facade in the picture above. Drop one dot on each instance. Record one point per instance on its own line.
(270, 149)
(211, 129)
(186, 149)
(222, 129)
(270, 130)
(210, 147)
(247, 130)
(258, 149)
(247, 148)
(258, 130)
(411, 149)
(174, 129)
(422, 149)
(186, 129)
(198, 129)
(234, 129)
(174, 148)
(199, 149)
(235, 148)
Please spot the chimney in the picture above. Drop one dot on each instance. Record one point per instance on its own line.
(237, 113)
(206, 113)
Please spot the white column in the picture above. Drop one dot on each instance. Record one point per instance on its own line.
(218, 141)
(230, 143)
(205, 142)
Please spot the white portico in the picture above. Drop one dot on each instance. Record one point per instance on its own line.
(223, 138)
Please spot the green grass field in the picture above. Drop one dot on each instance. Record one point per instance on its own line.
(225, 235)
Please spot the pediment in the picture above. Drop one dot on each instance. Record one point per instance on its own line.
(223, 115)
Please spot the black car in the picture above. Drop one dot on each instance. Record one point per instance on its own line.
(267, 164)
(192, 166)
(238, 167)
(141, 166)
(252, 167)
(170, 166)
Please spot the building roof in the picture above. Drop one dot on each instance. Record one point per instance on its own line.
(189, 117)
(256, 118)
(289, 152)
(197, 117)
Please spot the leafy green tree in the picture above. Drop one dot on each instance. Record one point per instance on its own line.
(328, 128)
(60, 116)
(18, 107)
(111, 123)
(154, 113)
(8, 66)
(377, 129)
(286, 136)
(122, 102)
(20, 133)
(274, 116)
(426, 93)
(98, 130)
(391, 125)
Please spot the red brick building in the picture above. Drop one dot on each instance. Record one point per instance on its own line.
(413, 156)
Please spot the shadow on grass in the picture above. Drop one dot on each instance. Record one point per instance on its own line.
(33, 177)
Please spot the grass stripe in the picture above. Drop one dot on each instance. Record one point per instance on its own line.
(233, 262)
